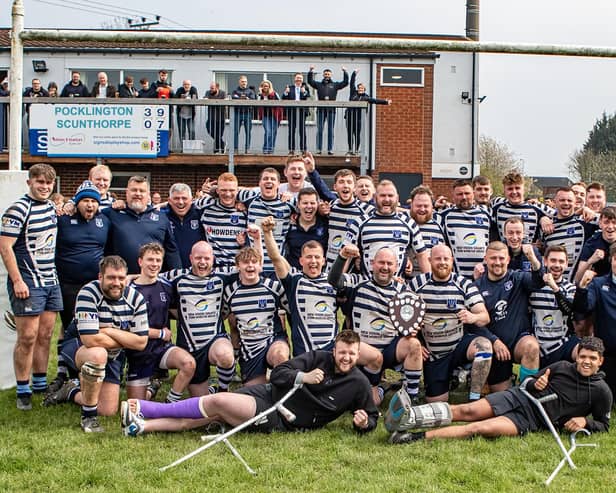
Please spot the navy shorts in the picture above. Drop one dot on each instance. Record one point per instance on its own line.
(46, 299)
(141, 364)
(437, 373)
(257, 365)
(262, 394)
(389, 361)
(113, 369)
(501, 371)
(563, 353)
(515, 406)
(202, 360)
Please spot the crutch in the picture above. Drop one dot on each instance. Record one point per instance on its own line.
(277, 407)
(574, 445)
(538, 402)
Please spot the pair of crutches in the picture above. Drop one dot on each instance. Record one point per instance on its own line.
(538, 402)
(224, 437)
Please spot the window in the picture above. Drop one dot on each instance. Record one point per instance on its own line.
(119, 181)
(402, 76)
(116, 77)
(229, 81)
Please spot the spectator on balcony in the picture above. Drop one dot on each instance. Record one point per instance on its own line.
(52, 89)
(161, 89)
(327, 90)
(35, 91)
(102, 89)
(296, 116)
(353, 116)
(145, 88)
(270, 116)
(127, 89)
(75, 87)
(215, 124)
(243, 114)
(185, 113)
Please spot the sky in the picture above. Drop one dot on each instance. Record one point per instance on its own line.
(541, 107)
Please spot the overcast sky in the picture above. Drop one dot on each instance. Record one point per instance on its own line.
(541, 107)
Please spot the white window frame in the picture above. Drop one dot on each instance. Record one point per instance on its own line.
(401, 84)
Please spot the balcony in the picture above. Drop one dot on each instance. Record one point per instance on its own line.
(208, 138)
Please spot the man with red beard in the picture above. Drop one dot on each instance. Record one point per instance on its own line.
(422, 211)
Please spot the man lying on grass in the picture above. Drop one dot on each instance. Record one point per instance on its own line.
(331, 382)
(579, 386)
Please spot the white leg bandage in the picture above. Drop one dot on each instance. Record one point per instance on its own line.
(92, 372)
(401, 415)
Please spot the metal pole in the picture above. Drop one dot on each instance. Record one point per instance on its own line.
(16, 80)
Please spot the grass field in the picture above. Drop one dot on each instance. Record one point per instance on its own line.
(45, 450)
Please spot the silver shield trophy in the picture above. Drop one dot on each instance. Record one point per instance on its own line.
(406, 312)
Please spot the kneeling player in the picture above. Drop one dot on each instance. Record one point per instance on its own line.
(160, 353)
(257, 330)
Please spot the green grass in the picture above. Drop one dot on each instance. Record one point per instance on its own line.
(45, 450)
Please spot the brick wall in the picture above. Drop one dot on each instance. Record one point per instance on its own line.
(404, 129)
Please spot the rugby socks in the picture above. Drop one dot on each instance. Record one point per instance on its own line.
(225, 375)
(374, 376)
(188, 408)
(23, 387)
(526, 372)
(39, 383)
(480, 369)
(173, 396)
(89, 411)
(412, 378)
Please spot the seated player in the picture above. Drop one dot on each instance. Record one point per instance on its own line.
(331, 386)
(579, 386)
(160, 353)
(253, 302)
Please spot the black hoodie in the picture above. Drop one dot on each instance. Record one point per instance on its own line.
(578, 396)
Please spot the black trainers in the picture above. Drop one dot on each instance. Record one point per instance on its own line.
(57, 384)
(90, 424)
(153, 388)
(391, 386)
(400, 437)
(24, 402)
(61, 395)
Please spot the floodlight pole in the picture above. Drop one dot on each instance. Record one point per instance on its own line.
(16, 85)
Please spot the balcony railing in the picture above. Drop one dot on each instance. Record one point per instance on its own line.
(218, 126)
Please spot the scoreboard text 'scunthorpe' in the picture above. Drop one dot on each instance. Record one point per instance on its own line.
(99, 130)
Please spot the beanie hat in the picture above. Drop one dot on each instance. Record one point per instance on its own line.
(87, 190)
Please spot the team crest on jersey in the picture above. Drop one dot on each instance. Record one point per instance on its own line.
(234, 219)
(570, 231)
(526, 266)
(349, 223)
(329, 290)
(319, 231)
(397, 234)
(163, 296)
(508, 285)
(479, 220)
(452, 304)
(54, 219)
(194, 224)
(154, 216)
(210, 285)
(279, 214)
(524, 215)
(124, 325)
(262, 303)
(434, 240)
(99, 222)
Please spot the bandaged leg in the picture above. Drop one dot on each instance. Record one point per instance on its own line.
(92, 372)
(91, 376)
(188, 408)
(401, 415)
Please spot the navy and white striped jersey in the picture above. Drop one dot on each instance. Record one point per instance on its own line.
(341, 219)
(398, 231)
(313, 306)
(199, 304)
(432, 234)
(255, 309)
(571, 233)
(33, 224)
(367, 307)
(529, 213)
(548, 321)
(468, 234)
(258, 209)
(442, 331)
(222, 225)
(93, 311)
